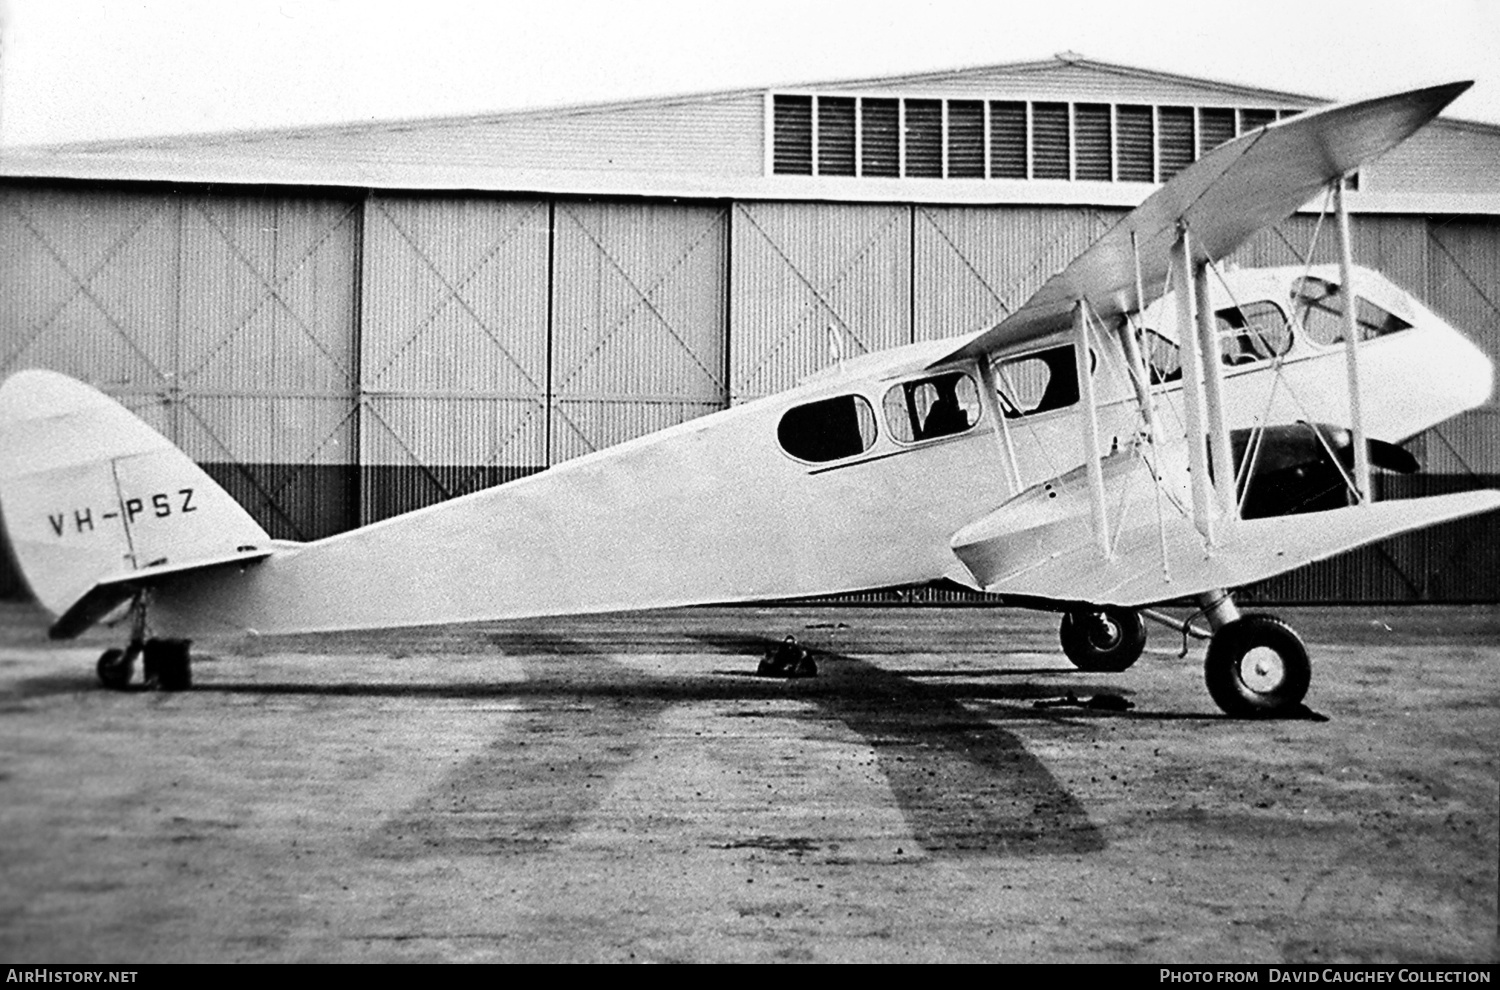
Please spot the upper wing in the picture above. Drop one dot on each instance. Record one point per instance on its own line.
(1226, 196)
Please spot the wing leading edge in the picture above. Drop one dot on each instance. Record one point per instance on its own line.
(1223, 198)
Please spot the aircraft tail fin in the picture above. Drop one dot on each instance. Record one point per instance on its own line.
(96, 504)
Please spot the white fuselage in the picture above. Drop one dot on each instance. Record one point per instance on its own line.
(716, 510)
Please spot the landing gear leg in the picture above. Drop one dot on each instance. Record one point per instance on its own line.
(167, 663)
(115, 667)
(1257, 666)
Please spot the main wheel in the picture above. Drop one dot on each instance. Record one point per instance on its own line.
(115, 668)
(1257, 667)
(1104, 641)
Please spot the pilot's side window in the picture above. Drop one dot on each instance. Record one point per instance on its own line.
(1163, 358)
(1038, 382)
(929, 408)
(1253, 332)
(828, 429)
(1319, 306)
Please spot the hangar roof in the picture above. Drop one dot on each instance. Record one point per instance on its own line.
(1064, 130)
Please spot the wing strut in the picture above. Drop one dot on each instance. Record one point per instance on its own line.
(1090, 418)
(1192, 382)
(1363, 491)
(1130, 338)
(1213, 393)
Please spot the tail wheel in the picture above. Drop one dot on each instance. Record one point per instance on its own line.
(1257, 667)
(115, 668)
(1104, 641)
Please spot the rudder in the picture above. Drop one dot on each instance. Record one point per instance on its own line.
(89, 493)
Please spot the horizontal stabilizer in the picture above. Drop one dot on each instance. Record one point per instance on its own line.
(1156, 560)
(111, 593)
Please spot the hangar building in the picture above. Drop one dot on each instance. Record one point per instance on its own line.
(343, 323)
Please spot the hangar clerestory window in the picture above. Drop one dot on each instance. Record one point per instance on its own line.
(855, 136)
(933, 407)
(828, 429)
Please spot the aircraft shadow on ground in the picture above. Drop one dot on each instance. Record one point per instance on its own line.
(965, 785)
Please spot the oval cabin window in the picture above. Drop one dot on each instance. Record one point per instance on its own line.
(828, 429)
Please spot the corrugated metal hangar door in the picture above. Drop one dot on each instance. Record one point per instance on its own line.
(454, 347)
(804, 273)
(638, 310)
(165, 299)
(973, 267)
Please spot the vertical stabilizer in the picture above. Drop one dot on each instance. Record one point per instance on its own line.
(89, 493)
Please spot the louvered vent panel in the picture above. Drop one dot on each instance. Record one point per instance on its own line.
(924, 139)
(1177, 144)
(881, 155)
(793, 154)
(1050, 147)
(835, 135)
(1251, 119)
(1215, 126)
(1137, 130)
(965, 139)
(1007, 139)
(1091, 129)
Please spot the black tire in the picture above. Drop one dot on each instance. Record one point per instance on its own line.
(1106, 640)
(168, 664)
(1257, 667)
(115, 668)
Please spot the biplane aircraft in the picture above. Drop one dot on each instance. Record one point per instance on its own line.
(1147, 428)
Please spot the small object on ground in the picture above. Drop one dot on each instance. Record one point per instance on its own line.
(787, 659)
(1102, 702)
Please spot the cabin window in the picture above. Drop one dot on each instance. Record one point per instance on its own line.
(1163, 358)
(1320, 309)
(929, 408)
(828, 429)
(1038, 382)
(1253, 332)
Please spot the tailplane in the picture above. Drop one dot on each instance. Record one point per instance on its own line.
(96, 504)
